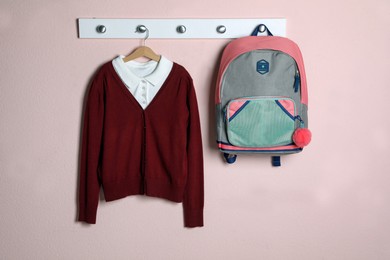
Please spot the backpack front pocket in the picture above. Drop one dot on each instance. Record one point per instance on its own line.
(260, 121)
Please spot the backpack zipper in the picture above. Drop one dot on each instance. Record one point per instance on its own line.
(297, 81)
(301, 122)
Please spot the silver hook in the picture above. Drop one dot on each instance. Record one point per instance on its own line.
(181, 29)
(101, 29)
(142, 29)
(262, 28)
(221, 29)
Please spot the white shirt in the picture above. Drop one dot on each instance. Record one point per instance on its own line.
(143, 79)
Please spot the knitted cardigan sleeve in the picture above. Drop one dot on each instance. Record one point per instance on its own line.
(89, 184)
(194, 194)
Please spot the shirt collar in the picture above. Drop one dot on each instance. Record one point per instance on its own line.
(158, 75)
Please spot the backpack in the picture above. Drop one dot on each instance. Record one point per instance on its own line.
(261, 97)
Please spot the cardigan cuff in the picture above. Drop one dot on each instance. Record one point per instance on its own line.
(88, 216)
(193, 218)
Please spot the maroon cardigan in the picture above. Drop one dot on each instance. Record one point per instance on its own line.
(128, 150)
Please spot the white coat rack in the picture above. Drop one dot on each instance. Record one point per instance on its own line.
(175, 28)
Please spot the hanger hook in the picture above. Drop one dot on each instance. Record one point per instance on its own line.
(147, 35)
(142, 29)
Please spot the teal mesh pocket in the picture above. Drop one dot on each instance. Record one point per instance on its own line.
(260, 121)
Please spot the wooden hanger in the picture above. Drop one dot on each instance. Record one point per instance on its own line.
(143, 51)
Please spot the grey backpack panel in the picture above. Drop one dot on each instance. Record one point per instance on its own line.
(241, 79)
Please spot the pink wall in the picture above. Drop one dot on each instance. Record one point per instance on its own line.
(330, 202)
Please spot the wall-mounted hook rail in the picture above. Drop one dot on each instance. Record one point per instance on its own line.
(176, 28)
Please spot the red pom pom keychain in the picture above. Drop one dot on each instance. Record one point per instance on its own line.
(302, 137)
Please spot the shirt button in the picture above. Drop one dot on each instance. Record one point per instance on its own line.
(143, 81)
(144, 102)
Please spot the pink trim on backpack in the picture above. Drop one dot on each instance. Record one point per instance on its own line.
(245, 44)
(288, 105)
(238, 148)
(234, 106)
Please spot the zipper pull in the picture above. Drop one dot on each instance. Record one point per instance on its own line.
(301, 122)
(296, 81)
